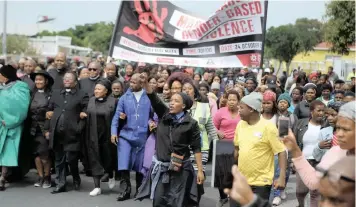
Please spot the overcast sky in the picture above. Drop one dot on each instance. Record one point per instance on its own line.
(22, 15)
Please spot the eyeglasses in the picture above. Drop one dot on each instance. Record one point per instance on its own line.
(334, 176)
(92, 69)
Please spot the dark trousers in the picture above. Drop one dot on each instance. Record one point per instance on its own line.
(125, 184)
(261, 191)
(61, 158)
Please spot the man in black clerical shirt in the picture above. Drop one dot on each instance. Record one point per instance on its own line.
(58, 72)
(67, 114)
(88, 84)
(30, 66)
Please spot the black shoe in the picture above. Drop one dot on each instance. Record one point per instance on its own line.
(88, 173)
(76, 184)
(105, 178)
(123, 196)
(59, 190)
(2, 184)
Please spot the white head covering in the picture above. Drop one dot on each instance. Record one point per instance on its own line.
(348, 110)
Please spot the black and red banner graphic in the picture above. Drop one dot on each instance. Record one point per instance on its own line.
(159, 32)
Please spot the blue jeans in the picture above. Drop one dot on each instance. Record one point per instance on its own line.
(275, 192)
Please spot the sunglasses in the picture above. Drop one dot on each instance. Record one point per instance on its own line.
(334, 176)
(92, 69)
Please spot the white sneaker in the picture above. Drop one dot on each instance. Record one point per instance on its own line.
(276, 201)
(95, 192)
(283, 195)
(111, 183)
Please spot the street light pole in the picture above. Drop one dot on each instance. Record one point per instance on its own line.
(4, 34)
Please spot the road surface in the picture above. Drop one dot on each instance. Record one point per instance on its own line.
(24, 194)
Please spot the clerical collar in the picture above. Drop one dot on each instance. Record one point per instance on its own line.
(40, 91)
(95, 78)
(101, 99)
(68, 90)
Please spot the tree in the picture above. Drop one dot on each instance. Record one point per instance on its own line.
(18, 44)
(309, 33)
(99, 39)
(340, 26)
(96, 36)
(283, 43)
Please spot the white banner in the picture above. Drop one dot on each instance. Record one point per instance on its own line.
(199, 51)
(213, 62)
(153, 50)
(238, 47)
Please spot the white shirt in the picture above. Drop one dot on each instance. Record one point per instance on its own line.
(310, 140)
(138, 95)
(273, 119)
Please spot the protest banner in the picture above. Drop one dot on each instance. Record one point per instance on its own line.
(159, 32)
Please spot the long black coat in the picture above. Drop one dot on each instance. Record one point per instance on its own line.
(99, 148)
(77, 101)
(57, 76)
(87, 85)
(182, 136)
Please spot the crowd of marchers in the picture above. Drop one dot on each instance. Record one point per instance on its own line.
(160, 122)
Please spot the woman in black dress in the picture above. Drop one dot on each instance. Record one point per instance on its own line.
(101, 109)
(174, 182)
(37, 115)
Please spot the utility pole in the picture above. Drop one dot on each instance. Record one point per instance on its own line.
(4, 34)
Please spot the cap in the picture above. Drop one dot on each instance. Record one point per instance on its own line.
(215, 85)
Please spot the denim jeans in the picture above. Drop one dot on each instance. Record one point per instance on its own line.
(275, 192)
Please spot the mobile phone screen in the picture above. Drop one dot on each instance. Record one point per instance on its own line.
(283, 127)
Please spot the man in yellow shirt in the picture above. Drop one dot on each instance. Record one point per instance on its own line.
(256, 142)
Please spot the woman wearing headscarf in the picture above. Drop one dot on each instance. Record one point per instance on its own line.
(172, 180)
(14, 102)
(345, 133)
(302, 109)
(37, 115)
(101, 109)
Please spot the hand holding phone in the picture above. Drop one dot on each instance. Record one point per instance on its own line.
(283, 126)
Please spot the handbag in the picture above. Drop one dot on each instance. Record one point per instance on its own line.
(176, 162)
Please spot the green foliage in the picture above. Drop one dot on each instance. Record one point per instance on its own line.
(96, 36)
(282, 43)
(285, 42)
(309, 33)
(340, 28)
(18, 44)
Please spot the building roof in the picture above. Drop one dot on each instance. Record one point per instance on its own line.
(327, 46)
